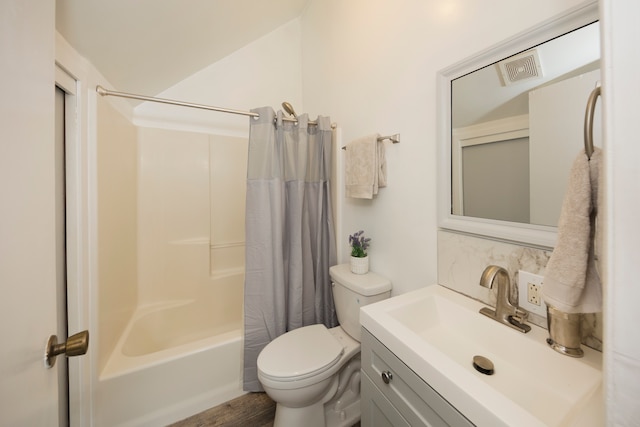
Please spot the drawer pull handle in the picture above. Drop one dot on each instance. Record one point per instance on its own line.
(386, 377)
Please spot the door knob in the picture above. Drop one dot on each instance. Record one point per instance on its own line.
(76, 345)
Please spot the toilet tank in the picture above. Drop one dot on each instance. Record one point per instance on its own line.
(352, 291)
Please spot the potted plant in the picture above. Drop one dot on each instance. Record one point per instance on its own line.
(359, 257)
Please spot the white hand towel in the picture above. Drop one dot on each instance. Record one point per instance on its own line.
(382, 164)
(365, 167)
(571, 281)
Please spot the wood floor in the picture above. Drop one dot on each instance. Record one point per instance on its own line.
(250, 410)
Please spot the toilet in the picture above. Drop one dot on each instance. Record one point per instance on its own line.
(313, 373)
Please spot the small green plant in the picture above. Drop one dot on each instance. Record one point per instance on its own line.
(359, 244)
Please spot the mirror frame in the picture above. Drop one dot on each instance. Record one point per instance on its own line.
(530, 234)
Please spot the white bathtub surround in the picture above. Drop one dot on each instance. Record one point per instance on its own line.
(174, 384)
(171, 343)
(462, 258)
(117, 228)
(175, 359)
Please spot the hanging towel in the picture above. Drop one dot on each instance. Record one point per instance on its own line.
(571, 281)
(365, 167)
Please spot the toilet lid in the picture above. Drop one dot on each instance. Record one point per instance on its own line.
(299, 354)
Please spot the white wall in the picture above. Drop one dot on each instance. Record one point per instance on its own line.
(621, 35)
(371, 65)
(265, 72)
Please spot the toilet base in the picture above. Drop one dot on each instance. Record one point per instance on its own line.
(318, 415)
(343, 410)
(340, 406)
(346, 417)
(308, 416)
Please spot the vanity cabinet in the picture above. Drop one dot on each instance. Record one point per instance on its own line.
(393, 395)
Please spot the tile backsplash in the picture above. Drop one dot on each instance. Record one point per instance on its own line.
(463, 258)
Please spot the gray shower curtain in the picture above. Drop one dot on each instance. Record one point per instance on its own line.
(290, 241)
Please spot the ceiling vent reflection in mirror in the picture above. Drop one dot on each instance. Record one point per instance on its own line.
(521, 67)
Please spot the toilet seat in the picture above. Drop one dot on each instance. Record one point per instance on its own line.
(299, 354)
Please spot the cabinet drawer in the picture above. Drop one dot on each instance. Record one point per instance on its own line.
(414, 399)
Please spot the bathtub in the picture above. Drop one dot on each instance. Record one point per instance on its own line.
(175, 359)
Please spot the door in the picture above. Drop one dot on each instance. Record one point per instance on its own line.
(28, 390)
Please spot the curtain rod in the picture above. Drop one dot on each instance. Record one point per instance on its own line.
(104, 92)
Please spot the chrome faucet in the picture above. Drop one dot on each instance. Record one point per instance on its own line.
(505, 312)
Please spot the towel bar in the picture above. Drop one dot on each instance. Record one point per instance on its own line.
(588, 122)
(395, 138)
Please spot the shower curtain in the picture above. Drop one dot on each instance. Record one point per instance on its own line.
(290, 242)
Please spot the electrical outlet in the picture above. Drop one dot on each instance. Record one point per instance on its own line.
(530, 293)
(533, 293)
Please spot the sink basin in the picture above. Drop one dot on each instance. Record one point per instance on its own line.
(437, 332)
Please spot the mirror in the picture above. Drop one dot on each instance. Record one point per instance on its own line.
(511, 124)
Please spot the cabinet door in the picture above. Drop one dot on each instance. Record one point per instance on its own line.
(405, 391)
(377, 411)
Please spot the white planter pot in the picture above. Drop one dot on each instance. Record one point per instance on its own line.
(360, 265)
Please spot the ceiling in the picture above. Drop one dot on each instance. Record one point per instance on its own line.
(147, 46)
